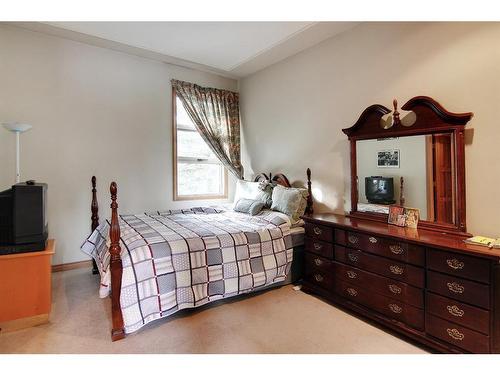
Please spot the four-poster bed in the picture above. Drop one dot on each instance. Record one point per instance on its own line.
(116, 266)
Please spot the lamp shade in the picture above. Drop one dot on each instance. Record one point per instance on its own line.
(17, 127)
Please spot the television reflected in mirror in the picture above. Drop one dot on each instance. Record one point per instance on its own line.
(426, 165)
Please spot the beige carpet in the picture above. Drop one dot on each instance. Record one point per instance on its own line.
(277, 321)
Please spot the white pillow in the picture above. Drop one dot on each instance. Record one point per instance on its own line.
(246, 190)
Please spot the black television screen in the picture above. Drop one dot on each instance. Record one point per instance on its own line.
(379, 190)
(6, 216)
(23, 219)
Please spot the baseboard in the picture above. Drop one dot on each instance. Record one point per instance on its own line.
(71, 266)
(30, 321)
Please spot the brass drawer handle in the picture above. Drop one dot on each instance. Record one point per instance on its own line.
(353, 257)
(353, 239)
(455, 310)
(395, 308)
(352, 274)
(372, 240)
(318, 261)
(317, 246)
(455, 334)
(455, 287)
(317, 231)
(396, 270)
(352, 292)
(396, 249)
(318, 278)
(395, 289)
(455, 264)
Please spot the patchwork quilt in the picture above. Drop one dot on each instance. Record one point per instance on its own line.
(180, 259)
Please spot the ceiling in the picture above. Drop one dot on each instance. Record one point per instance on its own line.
(233, 49)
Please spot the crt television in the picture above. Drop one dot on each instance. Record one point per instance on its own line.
(379, 190)
(23, 218)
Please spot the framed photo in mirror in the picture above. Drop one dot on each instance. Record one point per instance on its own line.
(388, 158)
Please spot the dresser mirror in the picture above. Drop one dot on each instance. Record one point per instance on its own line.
(414, 171)
(416, 163)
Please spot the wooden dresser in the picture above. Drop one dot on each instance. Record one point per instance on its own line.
(25, 288)
(428, 286)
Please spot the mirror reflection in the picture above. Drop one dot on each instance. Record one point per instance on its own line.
(413, 171)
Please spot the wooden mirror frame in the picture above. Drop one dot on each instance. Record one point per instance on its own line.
(431, 118)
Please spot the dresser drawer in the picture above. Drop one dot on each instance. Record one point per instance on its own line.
(457, 335)
(319, 232)
(458, 312)
(340, 237)
(382, 266)
(387, 306)
(325, 249)
(459, 289)
(318, 270)
(380, 284)
(386, 247)
(459, 265)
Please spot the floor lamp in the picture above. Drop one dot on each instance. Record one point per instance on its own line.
(17, 128)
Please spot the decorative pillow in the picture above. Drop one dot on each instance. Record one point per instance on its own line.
(254, 191)
(290, 201)
(249, 206)
(266, 192)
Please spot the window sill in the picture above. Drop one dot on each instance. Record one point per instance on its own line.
(199, 197)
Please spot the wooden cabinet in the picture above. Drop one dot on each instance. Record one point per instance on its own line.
(428, 286)
(25, 288)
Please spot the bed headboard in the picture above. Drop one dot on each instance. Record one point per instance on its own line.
(282, 180)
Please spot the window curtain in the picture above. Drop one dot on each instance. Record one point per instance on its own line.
(216, 115)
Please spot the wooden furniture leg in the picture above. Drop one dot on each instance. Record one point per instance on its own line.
(117, 332)
(94, 207)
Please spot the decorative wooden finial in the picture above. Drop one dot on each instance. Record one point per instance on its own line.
(397, 120)
(113, 189)
(94, 218)
(114, 231)
(309, 207)
(94, 207)
(401, 192)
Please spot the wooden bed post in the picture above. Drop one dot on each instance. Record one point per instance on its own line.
(117, 332)
(94, 207)
(309, 208)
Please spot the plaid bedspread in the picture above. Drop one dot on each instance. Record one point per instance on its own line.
(174, 260)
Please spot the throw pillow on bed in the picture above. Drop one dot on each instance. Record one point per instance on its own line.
(254, 191)
(290, 201)
(249, 206)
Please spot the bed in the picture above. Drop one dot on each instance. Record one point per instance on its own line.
(154, 264)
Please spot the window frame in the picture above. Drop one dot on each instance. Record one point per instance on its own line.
(178, 197)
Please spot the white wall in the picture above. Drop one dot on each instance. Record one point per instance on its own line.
(94, 112)
(412, 167)
(293, 111)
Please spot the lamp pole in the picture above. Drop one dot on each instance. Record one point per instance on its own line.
(17, 128)
(18, 173)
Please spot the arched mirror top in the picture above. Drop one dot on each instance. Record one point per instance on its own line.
(426, 116)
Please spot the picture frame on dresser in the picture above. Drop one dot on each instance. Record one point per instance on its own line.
(424, 284)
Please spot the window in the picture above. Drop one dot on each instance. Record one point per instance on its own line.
(198, 173)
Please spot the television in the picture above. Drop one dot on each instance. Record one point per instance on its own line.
(23, 218)
(379, 190)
